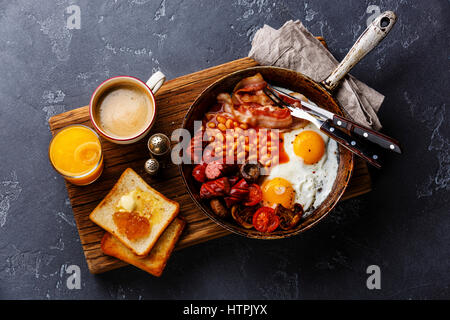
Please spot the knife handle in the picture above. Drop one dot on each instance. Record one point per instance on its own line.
(368, 134)
(357, 147)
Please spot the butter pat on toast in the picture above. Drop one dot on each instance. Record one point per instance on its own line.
(135, 213)
(155, 262)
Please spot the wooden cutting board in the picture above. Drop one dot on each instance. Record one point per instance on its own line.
(173, 100)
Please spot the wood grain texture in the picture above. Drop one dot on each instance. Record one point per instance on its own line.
(173, 100)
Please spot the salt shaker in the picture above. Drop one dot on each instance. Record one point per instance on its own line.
(159, 146)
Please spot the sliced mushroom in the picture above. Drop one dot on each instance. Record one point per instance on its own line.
(243, 215)
(289, 218)
(250, 171)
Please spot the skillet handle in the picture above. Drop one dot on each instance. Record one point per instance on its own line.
(369, 39)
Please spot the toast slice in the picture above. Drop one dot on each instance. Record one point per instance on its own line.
(156, 260)
(159, 212)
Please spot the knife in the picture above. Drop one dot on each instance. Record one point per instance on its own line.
(341, 122)
(326, 125)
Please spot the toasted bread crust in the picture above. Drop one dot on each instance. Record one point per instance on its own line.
(114, 193)
(157, 259)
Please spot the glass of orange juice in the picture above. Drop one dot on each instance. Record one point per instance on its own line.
(75, 152)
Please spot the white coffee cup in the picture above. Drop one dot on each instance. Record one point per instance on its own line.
(149, 88)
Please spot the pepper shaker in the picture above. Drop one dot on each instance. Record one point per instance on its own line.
(151, 166)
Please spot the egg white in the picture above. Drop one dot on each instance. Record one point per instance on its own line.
(311, 182)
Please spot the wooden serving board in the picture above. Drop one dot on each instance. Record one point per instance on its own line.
(173, 100)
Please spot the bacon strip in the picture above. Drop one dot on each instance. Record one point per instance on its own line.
(250, 105)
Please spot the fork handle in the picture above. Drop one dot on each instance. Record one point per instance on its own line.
(368, 134)
(357, 147)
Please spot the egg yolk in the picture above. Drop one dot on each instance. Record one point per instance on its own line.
(309, 146)
(278, 191)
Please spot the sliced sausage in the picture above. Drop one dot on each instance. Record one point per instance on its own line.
(199, 172)
(214, 170)
(216, 188)
(238, 193)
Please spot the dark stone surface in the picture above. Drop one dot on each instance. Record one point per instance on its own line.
(402, 226)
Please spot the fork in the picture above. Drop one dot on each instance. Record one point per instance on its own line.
(326, 125)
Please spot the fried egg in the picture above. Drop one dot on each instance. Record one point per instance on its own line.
(309, 174)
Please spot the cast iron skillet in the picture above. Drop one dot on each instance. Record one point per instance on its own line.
(320, 93)
(290, 80)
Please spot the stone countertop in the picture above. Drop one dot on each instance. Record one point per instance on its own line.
(402, 226)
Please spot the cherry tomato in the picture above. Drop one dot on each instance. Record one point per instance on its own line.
(265, 219)
(254, 195)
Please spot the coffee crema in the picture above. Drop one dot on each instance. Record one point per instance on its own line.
(124, 111)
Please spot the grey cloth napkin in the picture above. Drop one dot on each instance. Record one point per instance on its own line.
(294, 47)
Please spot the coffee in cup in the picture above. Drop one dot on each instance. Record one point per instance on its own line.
(123, 109)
